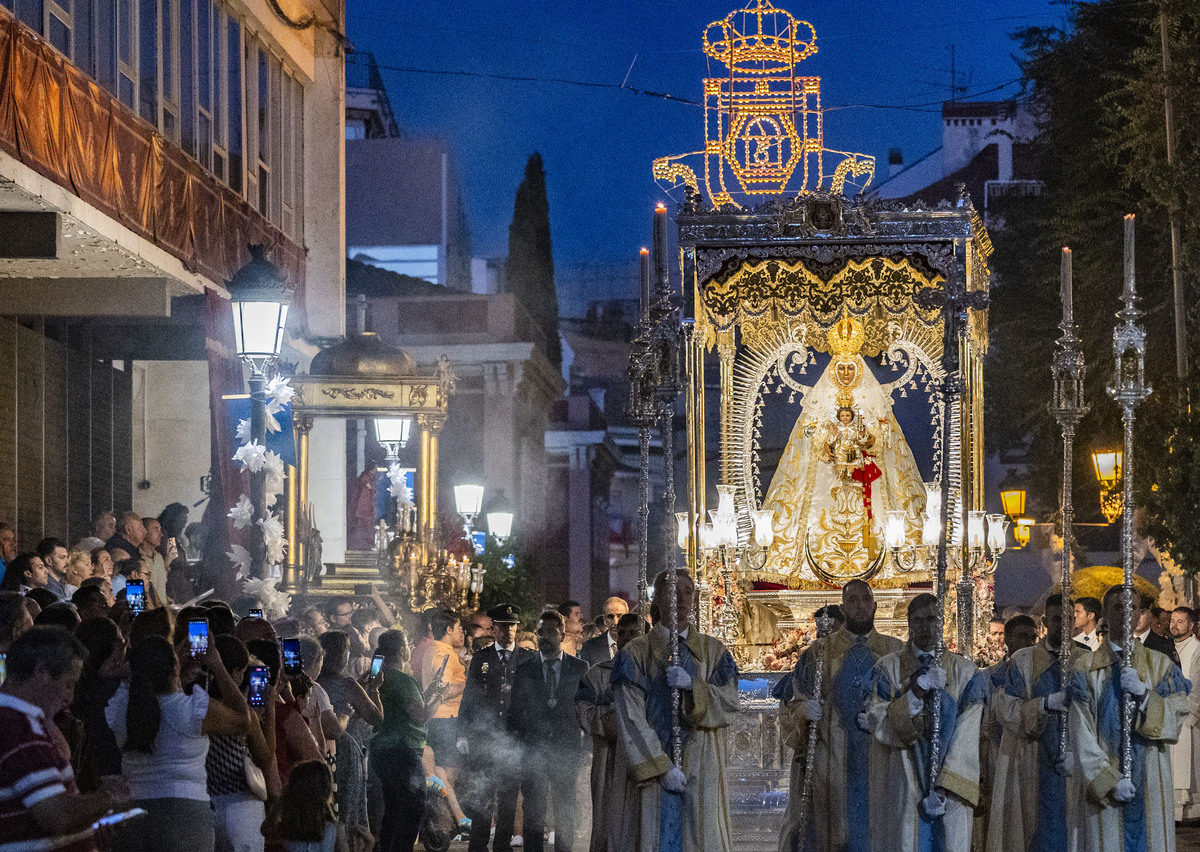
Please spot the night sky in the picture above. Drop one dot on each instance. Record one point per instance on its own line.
(598, 143)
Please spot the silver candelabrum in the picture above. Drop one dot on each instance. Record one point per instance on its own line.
(1128, 389)
(1068, 408)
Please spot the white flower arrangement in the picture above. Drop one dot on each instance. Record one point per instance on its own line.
(242, 513)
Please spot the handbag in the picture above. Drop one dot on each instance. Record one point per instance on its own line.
(255, 780)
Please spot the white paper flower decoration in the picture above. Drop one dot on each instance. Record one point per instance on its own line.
(280, 391)
(240, 557)
(275, 604)
(251, 456)
(242, 513)
(272, 528)
(243, 430)
(399, 485)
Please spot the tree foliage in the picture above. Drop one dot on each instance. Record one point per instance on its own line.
(1097, 89)
(530, 270)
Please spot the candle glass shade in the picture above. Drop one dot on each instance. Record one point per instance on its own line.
(893, 530)
(997, 529)
(681, 530)
(975, 530)
(764, 527)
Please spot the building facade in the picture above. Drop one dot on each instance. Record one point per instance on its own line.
(146, 145)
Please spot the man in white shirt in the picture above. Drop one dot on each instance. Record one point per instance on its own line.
(1087, 620)
(602, 648)
(1185, 754)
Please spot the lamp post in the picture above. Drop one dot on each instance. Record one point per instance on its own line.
(260, 298)
(1107, 464)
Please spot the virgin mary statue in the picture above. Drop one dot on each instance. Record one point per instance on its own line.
(846, 464)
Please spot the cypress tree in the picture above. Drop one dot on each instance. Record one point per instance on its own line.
(530, 270)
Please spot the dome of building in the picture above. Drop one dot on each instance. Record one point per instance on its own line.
(363, 355)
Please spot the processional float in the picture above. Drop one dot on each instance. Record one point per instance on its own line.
(847, 336)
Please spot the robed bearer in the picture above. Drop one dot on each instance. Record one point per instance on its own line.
(838, 818)
(542, 718)
(612, 795)
(492, 759)
(1112, 813)
(1185, 754)
(681, 808)
(907, 812)
(1029, 785)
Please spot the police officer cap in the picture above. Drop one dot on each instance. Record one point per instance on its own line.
(505, 614)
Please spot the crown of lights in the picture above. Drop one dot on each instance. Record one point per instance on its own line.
(760, 39)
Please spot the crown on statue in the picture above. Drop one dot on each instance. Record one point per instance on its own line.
(846, 337)
(760, 39)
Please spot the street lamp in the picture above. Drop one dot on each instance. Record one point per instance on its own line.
(392, 434)
(260, 298)
(1013, 502)
(1107, 464)
(500, 517)
(1022, 531)
(468, 500)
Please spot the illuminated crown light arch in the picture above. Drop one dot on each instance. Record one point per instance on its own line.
(763, 126)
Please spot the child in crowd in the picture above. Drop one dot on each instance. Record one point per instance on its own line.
(303, 818)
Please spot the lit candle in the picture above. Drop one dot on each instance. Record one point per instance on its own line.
(1068, 307)
(660, 248)
(1129, 275)
(645, 258)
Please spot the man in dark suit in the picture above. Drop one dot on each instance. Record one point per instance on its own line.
(1144, 630)
(492, 759)
(543, 719)
(602, 648)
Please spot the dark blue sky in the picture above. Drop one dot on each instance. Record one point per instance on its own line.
(598, 143)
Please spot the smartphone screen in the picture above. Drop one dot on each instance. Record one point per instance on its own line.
(292, 663)
(256, 613)
(198, 637)
(135, 596)
(260, 684)
(376, 666)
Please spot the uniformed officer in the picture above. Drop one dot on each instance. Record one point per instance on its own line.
(492, 759)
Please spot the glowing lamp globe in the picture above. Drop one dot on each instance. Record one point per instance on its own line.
(1107, 464)
(393, 432)
(1022, 531)
(1013, 502)
(468, 499)
(260, 298)
(500, 517)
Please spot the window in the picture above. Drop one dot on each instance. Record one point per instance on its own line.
(206, 82)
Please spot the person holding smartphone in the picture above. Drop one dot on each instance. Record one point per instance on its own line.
(164, 736)
(398, 745)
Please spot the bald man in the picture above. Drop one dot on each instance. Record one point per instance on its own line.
(843, 759)
(602, 648)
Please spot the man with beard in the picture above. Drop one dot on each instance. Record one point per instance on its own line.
(680, 808)
(612, 794)
(840, 806)
(542, 719)
(1029, 791)
(1108, 810)
(491, 761)
(1185, 754)
(916, 805)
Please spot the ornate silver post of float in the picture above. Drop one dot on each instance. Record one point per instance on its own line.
(820, 650)
(1129, 389)
(654, 377)
(1068, 409)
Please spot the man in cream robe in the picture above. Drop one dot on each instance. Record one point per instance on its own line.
(1029, 787)
(613, 794)
(1107, 812)
(681, 808)
(907, 815)
(1185, 754)
(1020, 632)
(837, 819)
